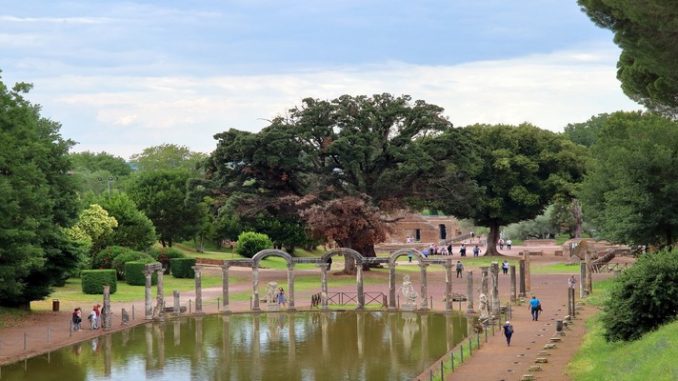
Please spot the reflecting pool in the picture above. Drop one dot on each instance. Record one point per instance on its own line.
(269, 346)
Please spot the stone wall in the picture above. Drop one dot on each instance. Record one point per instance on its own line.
(429, 228)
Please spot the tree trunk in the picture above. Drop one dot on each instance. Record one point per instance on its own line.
(578, 218)
(492, 239)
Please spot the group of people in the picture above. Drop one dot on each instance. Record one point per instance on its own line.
(449, 250)
(508, 244)
(93, 317)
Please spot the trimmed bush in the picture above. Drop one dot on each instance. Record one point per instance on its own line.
(249, 243)
(119, 262)
(642, 297)
(134, 273)
(182, 267)
(163, 255)
(104, 258)
(93, 281)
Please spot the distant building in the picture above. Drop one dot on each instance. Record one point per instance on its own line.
(423, 229)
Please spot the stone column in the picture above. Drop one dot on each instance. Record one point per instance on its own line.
(392, 286)
(323, 285)
(148, 302)
(469, 292)
(484, 281)
(582, 279)
(177, 303)
(448, 285)
(521, 292)
(495, 304)
(198, 289)
(255, 287)
(224, 287)
(290, 287)
(160, 294)
(589, 274)
(359, 282)
(512, 271)
(528, 273)
(107, 313)
(424, 286)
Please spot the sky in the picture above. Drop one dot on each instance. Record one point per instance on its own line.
(122, 76)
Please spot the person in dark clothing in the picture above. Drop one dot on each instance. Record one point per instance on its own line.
(508, 332)
(462, 250)
(329, 263)
(460, 269)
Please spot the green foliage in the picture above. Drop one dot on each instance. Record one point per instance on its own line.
(586, 133)
(161, 195)
(104, 258)
(182, 267)
(37, 201)
(168, 157)
(134, 272)
(646, 31)
(249, 243)
(118, 263)
(134, 230)
(630, 191)
(97, 224)
(93, 281)
(540, 227)
(164, 255)
(100, 161)
(643, 297)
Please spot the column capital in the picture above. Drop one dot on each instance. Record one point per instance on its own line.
(225, 266)
(323, 266)
(290, 266)
(148, 272)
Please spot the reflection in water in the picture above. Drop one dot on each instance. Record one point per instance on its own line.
(276, 346)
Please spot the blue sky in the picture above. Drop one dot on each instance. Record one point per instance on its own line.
(122, 76)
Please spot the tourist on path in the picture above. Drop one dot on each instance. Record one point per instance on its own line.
(280, 297)
(508, 332)
(409, 257)
(462, 250)
(501, 244)
(505, 267)
(460, 268)
(449, 249)
(535, 308)
(508, 244)
(93, 318)
(476, 251)
(77, 318)
(572, 282)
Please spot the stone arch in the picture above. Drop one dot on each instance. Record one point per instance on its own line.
(400, 252)
(359, 259)
(268, 253)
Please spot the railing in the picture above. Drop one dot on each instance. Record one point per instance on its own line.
(344, 298)
(609, 267)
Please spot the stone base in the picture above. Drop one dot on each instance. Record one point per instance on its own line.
(527, 377)
(534, 368)
(408, 307)
(550, 346)
(541, 360)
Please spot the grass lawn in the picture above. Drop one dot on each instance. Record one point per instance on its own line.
(650, 358)
(555, 268)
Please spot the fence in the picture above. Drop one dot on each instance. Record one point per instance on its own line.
(344, 298)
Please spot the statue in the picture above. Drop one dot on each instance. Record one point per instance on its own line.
(271, 291)
(409, 294)
(484, 308)
(159, 308)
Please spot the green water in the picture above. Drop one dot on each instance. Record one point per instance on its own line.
(275, 346)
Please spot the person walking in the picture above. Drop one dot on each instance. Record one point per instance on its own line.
(460, 269)
(93, 318)
(280, 297)
(462, 250)
(476, 251)
(501, 244)
(535, 308)
(508, 244)
(77, 319)
(505, 267)
(409, 257)
(508, 332)
(449, 249)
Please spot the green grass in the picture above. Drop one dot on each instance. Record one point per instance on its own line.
(650, 358)
(267, 263)
(555, 268)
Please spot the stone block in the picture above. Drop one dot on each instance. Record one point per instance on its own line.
(527, 377)
(555, 339)
(550, 346)
(541, 360)
(543, 354)
(534, 368)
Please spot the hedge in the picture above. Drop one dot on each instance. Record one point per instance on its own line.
(250, 243)
(182, 267)
(93, 281)
(104, 258)
(134, 273)
(163, 255)
(119, 262)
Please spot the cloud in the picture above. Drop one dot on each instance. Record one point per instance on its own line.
(133, 112)
(56, 20)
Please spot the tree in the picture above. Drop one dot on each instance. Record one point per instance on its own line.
(162, 196)
(167, 157)
(37, 200)
(134, 229)
(586, 133)
(95, 223)
(99, 172)
(522, 169)
(630, 191)
(362, 148)
(646, 31)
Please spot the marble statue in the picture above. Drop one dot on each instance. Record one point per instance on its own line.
(484, 308)
(409, 294)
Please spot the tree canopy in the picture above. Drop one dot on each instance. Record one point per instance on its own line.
(134, 229)
(630, 191)
(167, 157)
(37, 200)
(646, 31)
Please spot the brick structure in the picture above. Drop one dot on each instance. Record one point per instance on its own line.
(424, 229)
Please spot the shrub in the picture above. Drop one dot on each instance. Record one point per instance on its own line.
(182, 267)
(104, 258)
(643, 297)
(163, 255)
(119, 262)
(249, 243)
(93, 281)
(134, 273)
